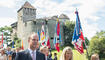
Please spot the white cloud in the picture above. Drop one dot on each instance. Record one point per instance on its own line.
(87, 9)
(89, 30)
(8, 3)
(6, 21)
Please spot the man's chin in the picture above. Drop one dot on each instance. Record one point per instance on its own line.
(34, 46)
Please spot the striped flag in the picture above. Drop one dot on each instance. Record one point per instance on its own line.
(42, 36)
(78, 38)
(57, 36)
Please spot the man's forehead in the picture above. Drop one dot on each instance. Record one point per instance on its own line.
(34, 36)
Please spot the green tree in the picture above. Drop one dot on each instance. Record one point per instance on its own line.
(17, 41)
(68, 32)
(86, 42)
(6, 33)
(5, 28)
(97, 45)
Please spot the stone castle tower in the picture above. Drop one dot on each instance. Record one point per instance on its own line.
(25, 25)
(28, 23)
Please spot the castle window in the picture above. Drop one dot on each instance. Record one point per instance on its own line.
(34, 22)
(31, 12)
(51, 38)
(25, 8)
(20, 17)
(26, 11)
(25, 23)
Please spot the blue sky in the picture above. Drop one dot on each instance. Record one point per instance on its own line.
(91, 12)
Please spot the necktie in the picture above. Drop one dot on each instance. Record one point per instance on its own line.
(33, 56)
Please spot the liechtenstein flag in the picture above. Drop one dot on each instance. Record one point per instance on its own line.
(78, 38)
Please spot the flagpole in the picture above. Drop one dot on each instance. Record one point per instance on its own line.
(86, 50)
(79, 28)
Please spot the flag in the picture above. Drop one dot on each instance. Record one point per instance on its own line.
(38, 34)
(2, 40)
(47, 38)
(22, 46)
(56, 42)
(78, 38)
(0, 44)
(57, 36)
(58, 30)
(48, 43)
(55, 39)
(13, 44)
(42, 36)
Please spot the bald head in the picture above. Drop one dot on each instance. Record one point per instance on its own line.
(33, 41)
(32, 35)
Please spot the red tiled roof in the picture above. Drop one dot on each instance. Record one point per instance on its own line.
(27, 5)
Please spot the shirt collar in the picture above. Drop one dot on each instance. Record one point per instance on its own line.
(30, 50)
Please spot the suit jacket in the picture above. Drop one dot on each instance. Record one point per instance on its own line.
(13, 55)
(49, 59)
(25, 55)
(55, 58)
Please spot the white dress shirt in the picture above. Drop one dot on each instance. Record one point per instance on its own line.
(31, 52)
(46, 57)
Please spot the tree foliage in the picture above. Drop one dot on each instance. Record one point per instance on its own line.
(97, 44)
(6, 30)
(68, 32)
(86, 42)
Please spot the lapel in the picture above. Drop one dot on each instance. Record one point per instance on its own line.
(37, 55)
(28, 55)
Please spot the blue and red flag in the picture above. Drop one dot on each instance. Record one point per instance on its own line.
(78, 37)
(57, 36)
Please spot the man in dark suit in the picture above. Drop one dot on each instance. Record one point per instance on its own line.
(15, 53)
(55, 56)
(31, 53)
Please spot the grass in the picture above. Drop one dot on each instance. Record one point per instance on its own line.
(76, 55)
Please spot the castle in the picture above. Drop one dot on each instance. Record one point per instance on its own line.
(28, 23)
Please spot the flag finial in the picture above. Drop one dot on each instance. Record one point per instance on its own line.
(76, 12)
(76, 9)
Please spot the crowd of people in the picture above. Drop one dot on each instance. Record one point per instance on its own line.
(35, 53)
(8, 54)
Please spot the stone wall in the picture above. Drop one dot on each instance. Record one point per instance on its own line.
(26, 28)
